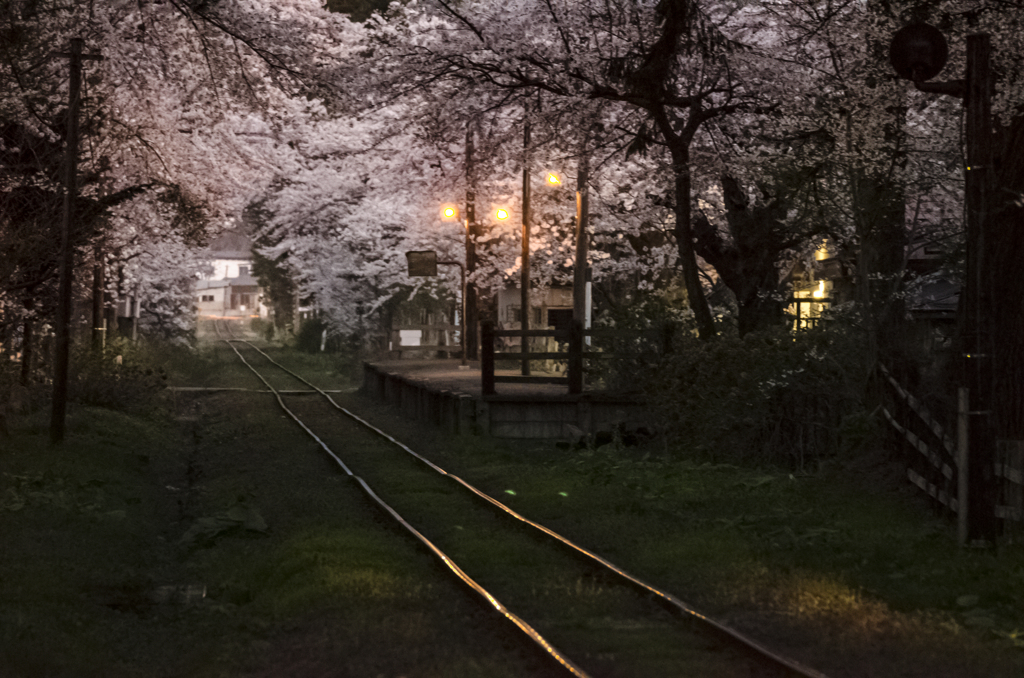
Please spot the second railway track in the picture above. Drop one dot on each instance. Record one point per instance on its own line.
(589, 616)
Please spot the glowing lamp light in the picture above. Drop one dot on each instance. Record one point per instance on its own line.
(553, 179)
(820, 292)
(450, 212)
(501, 213)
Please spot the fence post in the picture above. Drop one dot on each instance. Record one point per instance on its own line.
(575, 367)
(962, 414)
(668, 331)
(487, 357)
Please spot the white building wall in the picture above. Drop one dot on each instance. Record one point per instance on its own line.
(229, 268)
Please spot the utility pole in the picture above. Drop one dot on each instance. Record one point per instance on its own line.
(579, 279)
(918, 53)
(978, 347)
(62, 348)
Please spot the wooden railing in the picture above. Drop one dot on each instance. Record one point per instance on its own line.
(574, 357)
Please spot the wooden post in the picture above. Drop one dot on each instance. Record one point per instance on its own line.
(487, 357)
(668, 333)
(978, 345)
(575, 367)
(962, 443)
(135, 315)
(98, 285)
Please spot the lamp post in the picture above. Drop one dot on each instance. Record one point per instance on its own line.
(525, 269)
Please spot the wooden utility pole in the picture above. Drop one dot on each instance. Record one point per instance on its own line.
(918, 52)
(978, 348)
(579, 279)
(62, 347)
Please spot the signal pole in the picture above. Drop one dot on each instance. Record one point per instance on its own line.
(918, 53)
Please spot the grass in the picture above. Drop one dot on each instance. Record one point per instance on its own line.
(845, 552)
(843, 568)
(111, 541)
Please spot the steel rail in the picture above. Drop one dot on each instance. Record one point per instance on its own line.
(671, 600)
(523, 626)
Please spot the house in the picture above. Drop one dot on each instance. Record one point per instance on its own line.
(551, 307)
(228, 289)
(931, 298)
(818, 285)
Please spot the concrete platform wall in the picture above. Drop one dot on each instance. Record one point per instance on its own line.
(521, 416)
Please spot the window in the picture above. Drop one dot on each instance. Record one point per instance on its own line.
(809, 302)
(206, 297)
(513, 315)
(243, 271)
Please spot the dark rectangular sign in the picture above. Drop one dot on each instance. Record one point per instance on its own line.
(422, 263)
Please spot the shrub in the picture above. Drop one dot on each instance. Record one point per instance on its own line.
(773, 396)
(262, 328)
(309, 335)
(119, 378)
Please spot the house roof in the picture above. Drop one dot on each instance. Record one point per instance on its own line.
(231, 245)
(935, 297)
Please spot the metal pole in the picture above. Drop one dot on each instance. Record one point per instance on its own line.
(462, 330)
(525, 278)
(962, 476)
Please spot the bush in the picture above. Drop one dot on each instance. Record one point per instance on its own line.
(309, 335)
(773, 396)
(344, 349)
(119, 378)
(262, 328)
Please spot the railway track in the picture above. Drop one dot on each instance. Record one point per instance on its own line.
(588, 615)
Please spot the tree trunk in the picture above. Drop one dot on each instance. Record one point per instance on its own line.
(679, 147)
(687, 253)
(881, 231)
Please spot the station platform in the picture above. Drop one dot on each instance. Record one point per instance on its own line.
(444, 393)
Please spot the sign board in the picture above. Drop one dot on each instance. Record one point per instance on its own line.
(918, 52)
(422, 263)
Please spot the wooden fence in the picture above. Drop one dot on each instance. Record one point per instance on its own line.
(574, 356)
(933, 463)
